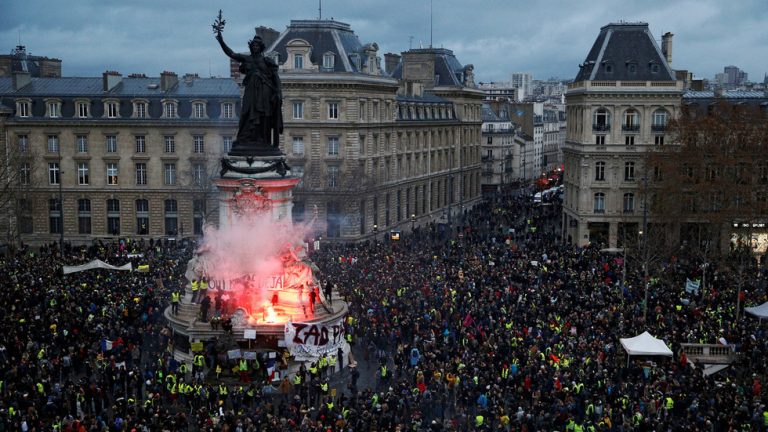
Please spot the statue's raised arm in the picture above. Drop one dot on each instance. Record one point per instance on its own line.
(218, 27)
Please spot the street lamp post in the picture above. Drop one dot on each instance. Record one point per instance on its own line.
(375, 233)
(61, 206)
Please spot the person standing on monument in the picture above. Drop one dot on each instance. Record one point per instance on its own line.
(261, 119)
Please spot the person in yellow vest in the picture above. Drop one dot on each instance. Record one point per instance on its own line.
(218, 371)
(175, 301)
(243, 367)
(669, 405)
(195, 290)
(203, 287)
(331, 364)
(198, 364)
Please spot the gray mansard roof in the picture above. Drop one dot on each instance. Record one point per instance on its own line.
(448, 70)
(128, 87)
(625, 52)
(325, 36)
(213, 90)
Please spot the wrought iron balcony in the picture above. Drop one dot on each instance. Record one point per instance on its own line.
(658, 128)
(630, 128)
(601, 127)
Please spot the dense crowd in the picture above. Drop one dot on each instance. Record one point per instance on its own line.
(498, 327)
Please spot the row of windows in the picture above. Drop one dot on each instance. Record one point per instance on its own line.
(403, 113)
(601, 120)
(628, 203)
(111, 143)
(629, 171)
(112, 109)
(83, 171)
(113, 216)
(329, 60)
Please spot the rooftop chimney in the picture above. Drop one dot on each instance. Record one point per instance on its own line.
(390, 62)
(20, 79)
(168, 80)
(666, 46)
(111, 79)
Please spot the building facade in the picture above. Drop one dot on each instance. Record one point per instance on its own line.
(378, 149)
(500, 155)
(617, 108)
(114, 156)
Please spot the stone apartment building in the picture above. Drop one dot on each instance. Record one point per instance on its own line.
(379, 147)
(617, 108)
(501, 156)
(113, 156)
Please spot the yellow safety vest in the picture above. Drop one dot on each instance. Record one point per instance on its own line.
(199, 360)
(175, 297)
(243, 365)
(195, 285)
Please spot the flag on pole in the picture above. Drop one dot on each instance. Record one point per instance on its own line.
(271, 369)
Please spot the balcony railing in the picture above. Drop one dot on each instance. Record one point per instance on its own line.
(486, 158)
(658, 128)
(630, 128)
(601, 127)
(499, 131)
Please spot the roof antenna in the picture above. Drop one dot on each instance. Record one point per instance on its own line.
(430, 23)
(320, 10)
(410, 42)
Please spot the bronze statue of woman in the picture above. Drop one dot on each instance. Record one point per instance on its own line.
(261, 118)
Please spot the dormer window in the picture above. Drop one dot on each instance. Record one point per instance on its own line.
(53, 108)
(111, 109)
(328, 61)
(170, 109)
(140, 108)
(655, 68)
(83, 109)
(631, 67)
(607, 67)
(198, 110)
(356, 61)
(23, 108)
(228, 110)
(298, 61)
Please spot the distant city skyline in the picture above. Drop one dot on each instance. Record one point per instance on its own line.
(498, 37)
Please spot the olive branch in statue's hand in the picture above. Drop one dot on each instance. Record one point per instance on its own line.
(218, 24)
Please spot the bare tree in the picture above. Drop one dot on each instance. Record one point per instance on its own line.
(200, 182)
(713, 177)
(17, 181)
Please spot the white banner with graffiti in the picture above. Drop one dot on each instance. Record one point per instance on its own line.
(307, 341)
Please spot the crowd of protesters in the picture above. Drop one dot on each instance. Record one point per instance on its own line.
(499, 326)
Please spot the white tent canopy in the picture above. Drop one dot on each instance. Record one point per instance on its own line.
(646, 345)
(758, 311)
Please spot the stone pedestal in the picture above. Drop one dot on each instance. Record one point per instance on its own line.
(255, 185)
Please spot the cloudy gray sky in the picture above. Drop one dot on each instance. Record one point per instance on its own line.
(546, 38)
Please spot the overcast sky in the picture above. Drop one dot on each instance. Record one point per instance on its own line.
(545, 38)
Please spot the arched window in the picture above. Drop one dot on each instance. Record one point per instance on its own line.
(601, 120)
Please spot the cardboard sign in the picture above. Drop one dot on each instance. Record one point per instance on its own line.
(234, 354)
(197, 346)
(249, 334)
